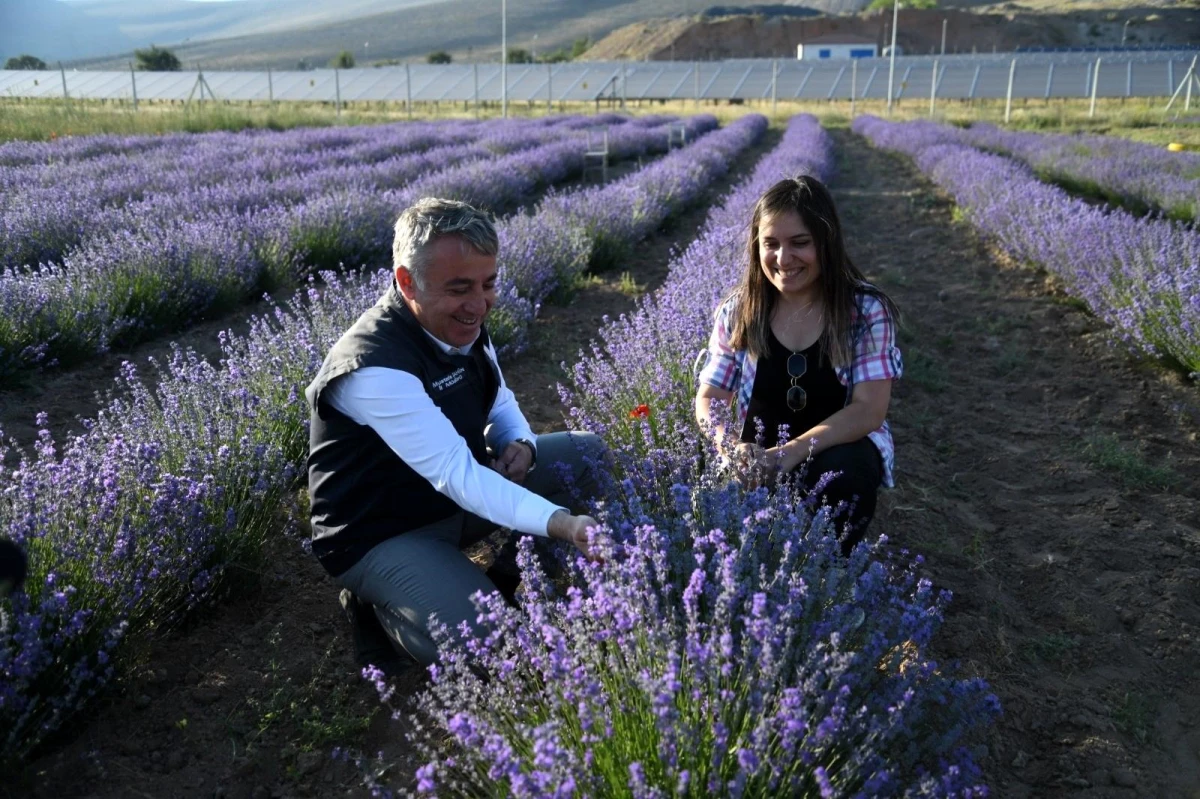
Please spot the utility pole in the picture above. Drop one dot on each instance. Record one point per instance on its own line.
(892, 60)
(504, 58)
(944, 21)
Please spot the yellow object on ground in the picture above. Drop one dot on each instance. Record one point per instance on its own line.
(1177, 147)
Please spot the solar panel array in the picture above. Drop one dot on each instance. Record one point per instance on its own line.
(1037, 75)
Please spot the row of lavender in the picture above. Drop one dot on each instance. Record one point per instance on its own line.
(1140, 177)
(47, 207)
(180, 252)
(74, 149)
(135, 520)
(723, 647)
(1140, 275)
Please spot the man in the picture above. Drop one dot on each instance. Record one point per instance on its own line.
(417, 448)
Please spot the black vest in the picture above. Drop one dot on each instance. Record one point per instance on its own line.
(362, 493)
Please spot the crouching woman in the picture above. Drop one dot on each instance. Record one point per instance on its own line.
(805, 349)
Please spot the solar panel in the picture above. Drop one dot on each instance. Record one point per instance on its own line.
(1041, 74)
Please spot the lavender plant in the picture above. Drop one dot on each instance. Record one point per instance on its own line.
(723, 648)
(1138, 176)
(1140, 275)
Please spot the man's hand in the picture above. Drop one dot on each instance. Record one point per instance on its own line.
(565, 527)
(514, 461)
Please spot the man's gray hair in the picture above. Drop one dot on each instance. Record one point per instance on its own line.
(430, 218)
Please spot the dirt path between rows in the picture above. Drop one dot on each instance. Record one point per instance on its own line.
(251, 700)
(1051, 481)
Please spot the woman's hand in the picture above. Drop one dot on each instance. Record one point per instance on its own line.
(755, 465)
(786, 459)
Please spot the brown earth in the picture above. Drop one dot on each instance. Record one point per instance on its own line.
(919, 31)
(1077, 593)
(251, 699)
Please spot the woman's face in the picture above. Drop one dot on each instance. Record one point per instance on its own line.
(788, 254)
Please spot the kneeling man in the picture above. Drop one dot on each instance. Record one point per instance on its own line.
(417, 448)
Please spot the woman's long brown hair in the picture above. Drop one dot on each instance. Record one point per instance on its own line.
(841, 280)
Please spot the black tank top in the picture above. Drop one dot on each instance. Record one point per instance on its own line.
(825, 394)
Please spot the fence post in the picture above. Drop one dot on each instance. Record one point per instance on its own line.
(133, 83)
(933, 88)
(62, 71)
(1129, 78)
(1187, 80)
(475, 69)
(1012, 73)
(774, 87)
(1190, 78)
(270, 89)
(853, 87)
(623, 79)
(696, 83)
(1095, 86)
(408, 90)
(549, 88)
(337, 92)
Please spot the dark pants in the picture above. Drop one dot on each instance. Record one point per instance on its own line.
(411, 578)
(851, 494)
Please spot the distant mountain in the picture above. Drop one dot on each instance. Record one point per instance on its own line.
(469, 29)
(52, 30)
(77, 29)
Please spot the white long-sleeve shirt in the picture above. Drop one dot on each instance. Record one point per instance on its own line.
(395, 405)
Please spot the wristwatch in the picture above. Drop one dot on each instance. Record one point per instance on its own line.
(532, 453)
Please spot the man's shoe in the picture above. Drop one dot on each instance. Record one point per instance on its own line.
(372, 645)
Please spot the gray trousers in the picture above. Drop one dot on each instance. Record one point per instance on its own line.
(416, 575)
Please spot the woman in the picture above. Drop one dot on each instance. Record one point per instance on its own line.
(805, 346)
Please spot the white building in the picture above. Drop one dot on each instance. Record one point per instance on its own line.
(834, 47)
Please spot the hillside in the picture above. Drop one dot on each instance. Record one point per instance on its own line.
(1001, 27)
(639, 29)
(468, 29)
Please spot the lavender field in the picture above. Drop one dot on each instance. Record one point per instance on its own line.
(109, 244)
(723, 647)
(1141, 275)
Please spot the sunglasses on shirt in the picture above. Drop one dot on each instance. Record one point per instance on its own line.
(797, 397)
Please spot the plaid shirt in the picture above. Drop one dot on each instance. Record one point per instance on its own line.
(876, 357)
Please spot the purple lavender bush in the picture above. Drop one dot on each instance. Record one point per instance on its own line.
(723, 648)
(1139, 177)
(1140, 275)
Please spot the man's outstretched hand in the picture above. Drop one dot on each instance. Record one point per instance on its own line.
(573, 529)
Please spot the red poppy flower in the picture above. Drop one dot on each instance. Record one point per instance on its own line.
(640, 411)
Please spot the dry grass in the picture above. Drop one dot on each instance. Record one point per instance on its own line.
(1139, 119)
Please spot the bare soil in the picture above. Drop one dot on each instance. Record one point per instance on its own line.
(253, 697)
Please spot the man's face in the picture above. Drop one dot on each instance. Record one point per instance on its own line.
(459, 290)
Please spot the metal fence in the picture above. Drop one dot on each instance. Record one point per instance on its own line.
(957, 77)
